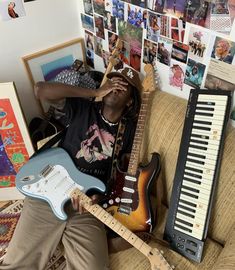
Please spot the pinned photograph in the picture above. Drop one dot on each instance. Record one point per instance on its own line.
(10, 10)
(175, 8)
(223, 50)
(99, 7)
(196, 11)
(106, 56)
(135, 15)
(99, 26)
(130, 34)
(98, 42)
(87, 22)
(149, 52)
(164, 51)
(156, 5)
(197, 41)
(90, 58)
(180, 52)
(220, 76)
(88, 7)
(112, 40)
(140, 3)
(194, 73)
(118, 9)
(153, 26)
(177, 74)
(89, 40)
(110, 22)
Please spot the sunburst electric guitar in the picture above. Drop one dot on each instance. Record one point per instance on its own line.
(52, 176)
(129, 199)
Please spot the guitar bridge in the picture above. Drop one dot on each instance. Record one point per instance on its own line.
(45, 171)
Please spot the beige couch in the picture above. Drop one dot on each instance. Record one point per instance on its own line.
(163, 135)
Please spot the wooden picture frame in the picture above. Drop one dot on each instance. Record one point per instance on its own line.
(15, 143)
(46, 64)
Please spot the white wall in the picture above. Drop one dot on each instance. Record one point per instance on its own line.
(47, 23)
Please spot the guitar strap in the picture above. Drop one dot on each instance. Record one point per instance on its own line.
(51, 142)
(116, 150)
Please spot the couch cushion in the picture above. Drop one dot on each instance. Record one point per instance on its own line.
(133, 259)
(163, 135)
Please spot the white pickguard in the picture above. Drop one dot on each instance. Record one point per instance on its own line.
(54, 188)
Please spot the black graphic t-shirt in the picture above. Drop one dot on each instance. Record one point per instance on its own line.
(90, 140)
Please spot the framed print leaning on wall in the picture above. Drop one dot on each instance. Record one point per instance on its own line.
(15, 143)
(46, 64)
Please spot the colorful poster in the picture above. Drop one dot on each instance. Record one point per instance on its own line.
(13, 152)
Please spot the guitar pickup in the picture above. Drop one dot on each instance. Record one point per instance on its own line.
(45, 171)
(124, 210)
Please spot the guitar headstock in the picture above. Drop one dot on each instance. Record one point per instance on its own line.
(149, 84)
(157, 261)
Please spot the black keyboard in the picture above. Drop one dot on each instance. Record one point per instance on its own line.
(197, 171)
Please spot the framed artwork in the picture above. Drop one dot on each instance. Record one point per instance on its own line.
(15, 142)
(46, 64)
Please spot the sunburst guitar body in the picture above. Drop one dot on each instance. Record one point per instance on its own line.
(129, 197)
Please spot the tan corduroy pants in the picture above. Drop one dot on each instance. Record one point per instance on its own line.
(38, 233)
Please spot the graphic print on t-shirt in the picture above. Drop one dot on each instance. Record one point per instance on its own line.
(97, 146)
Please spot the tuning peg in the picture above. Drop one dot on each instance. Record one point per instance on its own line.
(172, 267)
(162, 252)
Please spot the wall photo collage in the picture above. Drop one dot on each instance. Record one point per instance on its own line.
(180, 37)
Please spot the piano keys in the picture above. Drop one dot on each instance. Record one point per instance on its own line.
(197, 171)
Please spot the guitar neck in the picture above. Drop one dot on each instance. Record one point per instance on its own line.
(134, 158)
(113, 224)
(153, 254)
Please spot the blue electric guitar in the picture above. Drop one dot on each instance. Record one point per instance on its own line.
(46, 177)
(52, 176)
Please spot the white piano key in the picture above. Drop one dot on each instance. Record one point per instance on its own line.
(206, 156)
(213, 142)
(210, 98)
(207, 161)
(193, 234)
(206, 167)
(210, 153)
(204, 186)
(208, 118)
(206, 132)
(214, 113)
(205, 180)
(216, 107)
(199, 204)
(208, 146)
(203, 175)
(200, 197)
(200, 192)
(198, 211)
(193, 221)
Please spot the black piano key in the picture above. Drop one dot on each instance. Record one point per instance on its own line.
(188, 203)
(195, 161)
(202, 128)
(185, 214)
(183, 228)
(189, 194)
(191, 189)
(200, 142)
(184, 222)
(198, 147)
(193, 175)
(202, 122)
(205, 108)
(196, 155)
(200, 136)
(193, 169)
(205, 103)
(192, 180)
(204, 114)
(187, 208)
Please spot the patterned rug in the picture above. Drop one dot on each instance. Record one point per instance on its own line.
(9, 215)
